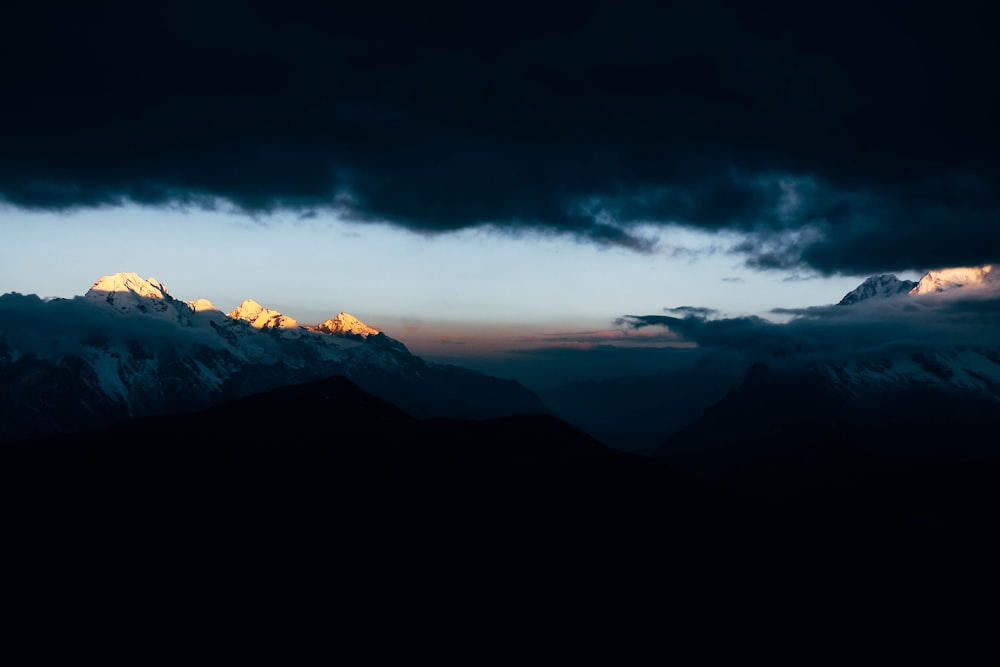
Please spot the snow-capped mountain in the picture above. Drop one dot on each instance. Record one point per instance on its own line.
(129, 348)
(199, 305)
(260, 317)
(345, 323)
(895, 390)
(977, 277)
(962, 371)
(127, 293)
(957, 386)
(886, 286)
(882, 286)
(966, 370)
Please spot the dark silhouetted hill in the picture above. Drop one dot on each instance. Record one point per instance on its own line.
(922, 456)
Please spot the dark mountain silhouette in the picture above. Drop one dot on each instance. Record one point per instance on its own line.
(635, 413)
(325, 455)
(924, 455)
(324, 491)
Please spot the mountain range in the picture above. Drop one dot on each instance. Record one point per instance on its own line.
(128, 348)
(902, 399)
(888, 285)
(327, 465)
(871, 417)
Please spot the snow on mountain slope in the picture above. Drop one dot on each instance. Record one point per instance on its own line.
(346, 323)
(979, 277)
(260, 317)
(896, 361)
(127, 292)
(200, 305)
(129, 283)
(964, 370)
(883, 286)
(128, 348)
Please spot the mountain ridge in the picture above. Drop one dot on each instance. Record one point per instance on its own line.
(134, 349)
(935, 281)
(880, 286)
(943, 280)
(854, 379)
(888, 405)
(530, 482)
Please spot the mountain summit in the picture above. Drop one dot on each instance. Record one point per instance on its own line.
(345, 323)
(941, 280)
(260, 317)
(944, 280)
(127, 292)
(129, 282)
(883, 286)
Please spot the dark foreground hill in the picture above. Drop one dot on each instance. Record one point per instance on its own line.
(328, 458)
(322, 492)
(915, 455)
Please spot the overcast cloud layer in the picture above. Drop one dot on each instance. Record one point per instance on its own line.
(875, 328)
(842, 137)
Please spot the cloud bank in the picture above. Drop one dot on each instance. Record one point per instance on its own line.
(848, 137)
(868, 329)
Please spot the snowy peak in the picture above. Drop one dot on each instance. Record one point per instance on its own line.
(345, 323)
(128, 293)
(260, 317)
(945, 280)
(150, 288)
(130, 349)
(878, 287)
(941, 280)
(202, 305)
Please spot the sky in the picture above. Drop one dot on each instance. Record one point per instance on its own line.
(477, 176)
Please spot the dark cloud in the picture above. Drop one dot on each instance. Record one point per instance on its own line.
(871, 328)
(697, 311)
(842, 137)
(68, 326)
